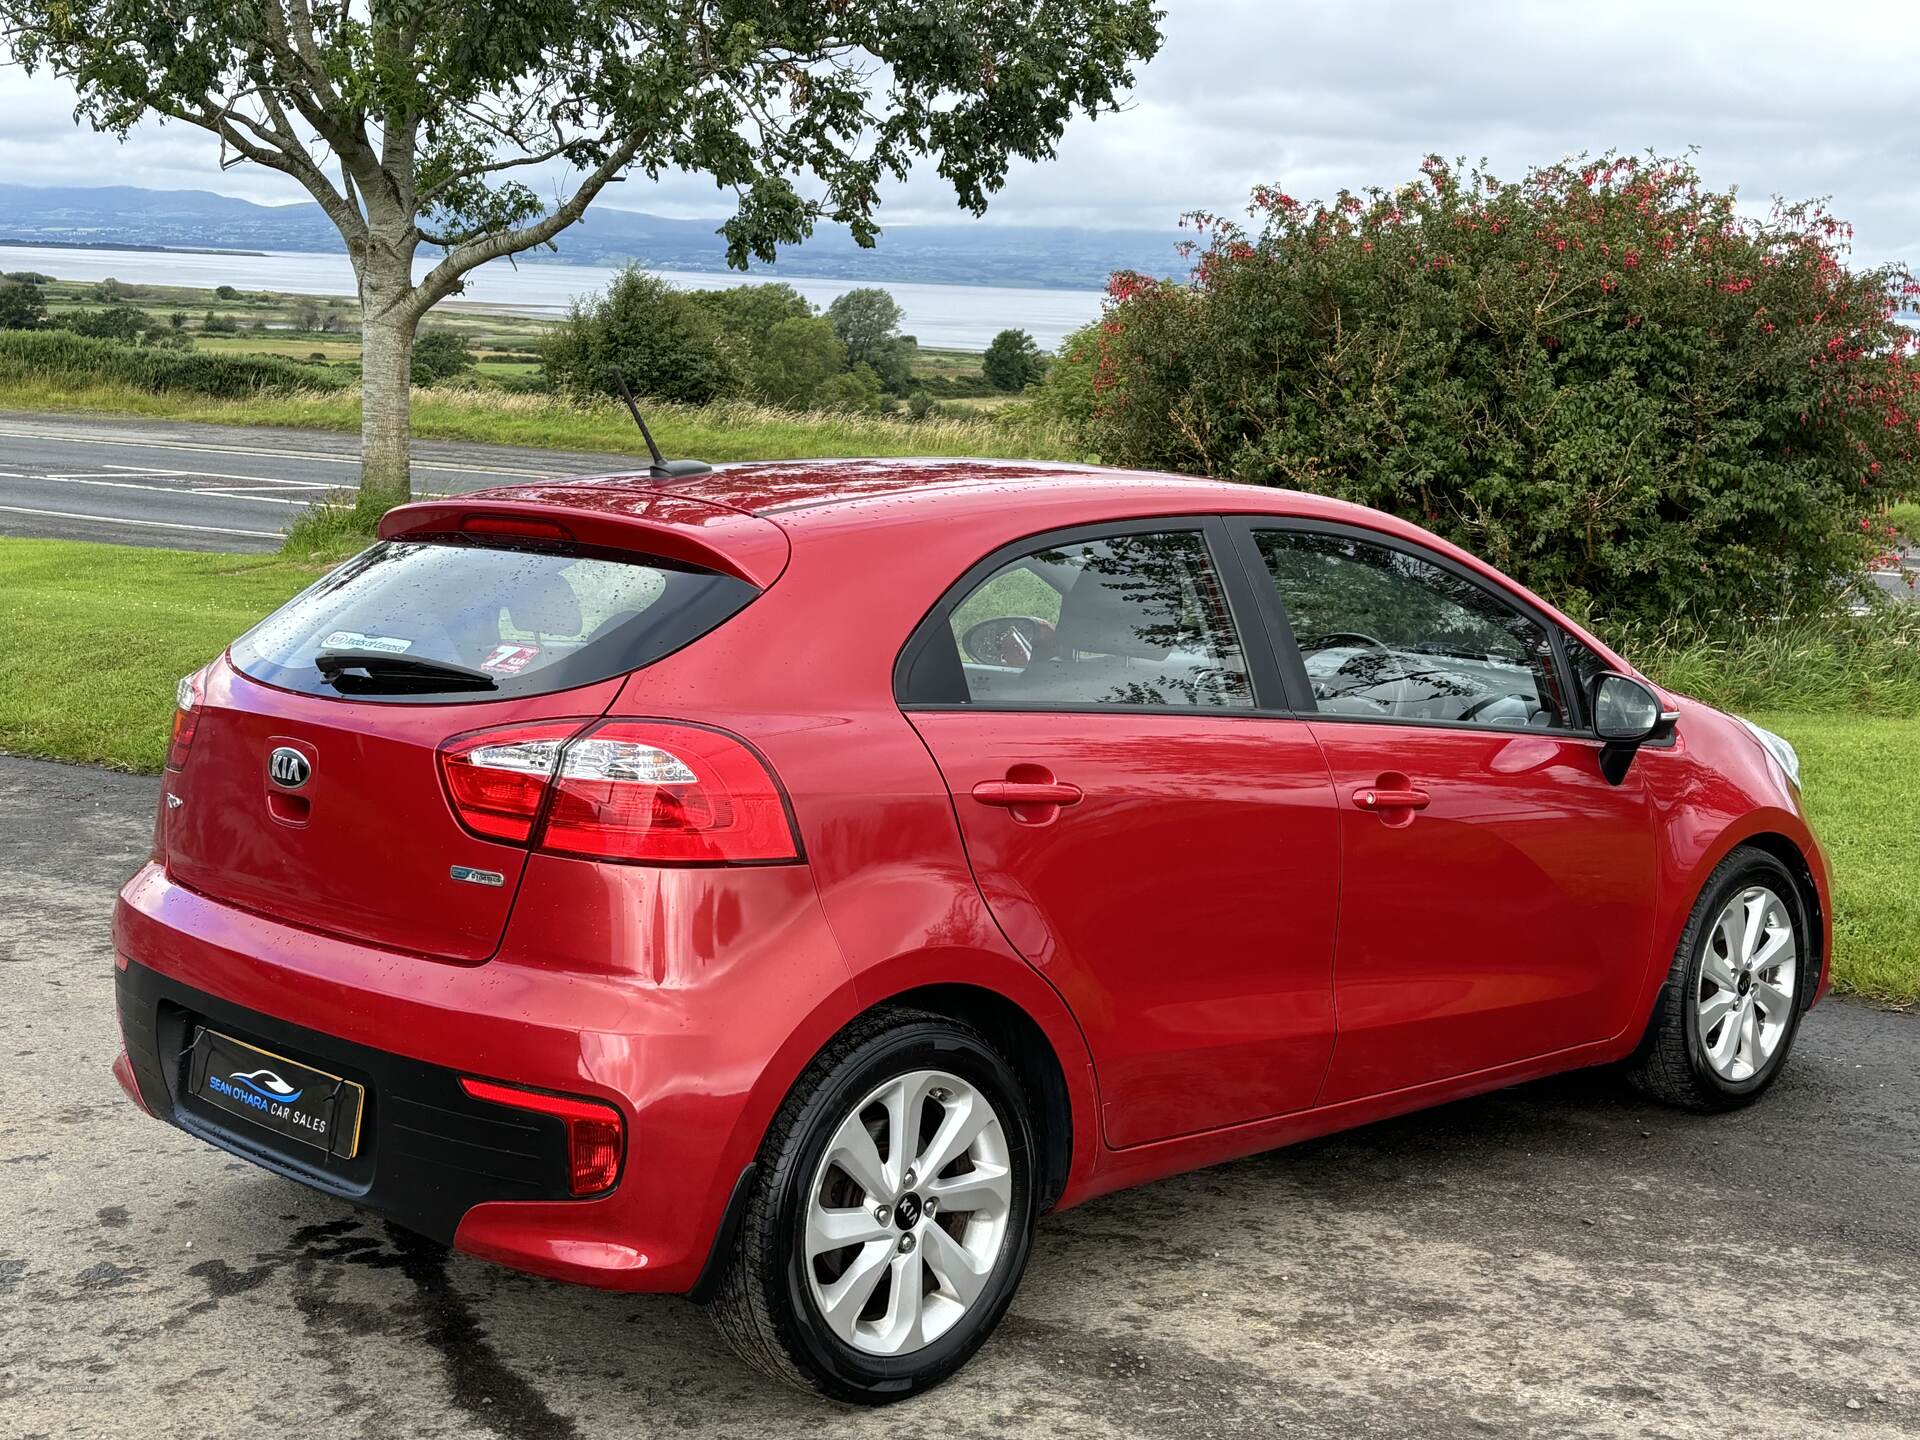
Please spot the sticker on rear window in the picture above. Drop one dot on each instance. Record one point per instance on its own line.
(510, 659)
(354, 640)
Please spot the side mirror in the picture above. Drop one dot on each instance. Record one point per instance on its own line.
(1626, 715)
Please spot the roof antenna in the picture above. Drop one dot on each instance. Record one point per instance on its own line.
(661, 469)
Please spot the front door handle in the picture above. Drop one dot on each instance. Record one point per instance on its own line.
(1376, 797)
(1030, 794)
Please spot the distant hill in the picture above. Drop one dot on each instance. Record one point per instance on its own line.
(958, 254)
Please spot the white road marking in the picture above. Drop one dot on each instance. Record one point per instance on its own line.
(162, 489)
(157, 470)
(149, 524)
(282, 454)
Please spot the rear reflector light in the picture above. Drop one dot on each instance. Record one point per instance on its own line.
(186, 718)
(595, 1135)
(642, 791)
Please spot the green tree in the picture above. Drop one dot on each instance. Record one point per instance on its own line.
(410, 124)
(867, 319)
(1012, 361)
(440, 355)
(21, 306)
(177, 319)
(214, 324)
(225, 292)
(797, 358)
(747, 312)
(664, 341)
(1605, 378)
(305, 314)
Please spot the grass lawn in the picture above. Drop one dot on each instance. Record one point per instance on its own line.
(93, 637)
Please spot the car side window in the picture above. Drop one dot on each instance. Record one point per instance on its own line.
(1136, 619)
(1385, 634)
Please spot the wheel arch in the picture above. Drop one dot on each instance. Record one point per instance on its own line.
(1774, 833)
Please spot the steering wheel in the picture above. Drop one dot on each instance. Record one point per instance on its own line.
(1335, 638)
(1008, 640)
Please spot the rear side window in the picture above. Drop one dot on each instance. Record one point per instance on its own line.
(429, 621)
(1137, 619)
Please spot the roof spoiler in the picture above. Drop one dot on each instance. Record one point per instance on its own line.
(647, 522)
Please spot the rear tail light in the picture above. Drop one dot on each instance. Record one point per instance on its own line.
(595, 1136)
(186, 716)
(643, 791)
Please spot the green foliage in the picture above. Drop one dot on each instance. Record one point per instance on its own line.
(1605, 379)
(110, 322)
(748, 312)
(1013, 361)
(216, 324)
(666, 342)
(856, 391)
(1905, 519)
(225, 292)
(795, 360)
(21, 306)
(329, 532)
(920, 405)
(52, 356)
(1828, 665)
(440, 355)
(867, 319)
(27, 277)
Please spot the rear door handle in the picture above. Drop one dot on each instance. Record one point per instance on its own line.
(1029, 794)
(1012, 794)
(1376, 798)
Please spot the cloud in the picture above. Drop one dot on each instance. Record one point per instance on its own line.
(1798, 100)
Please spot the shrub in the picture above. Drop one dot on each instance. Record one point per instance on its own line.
(1604, 378)
(663, 340)
(440, 355)
(110, 322)
(795, 360)
(213, 324)
(226, 292)
(1012, 361)
(40, 356)
(21, 305)
(856, 392)
(27, 277)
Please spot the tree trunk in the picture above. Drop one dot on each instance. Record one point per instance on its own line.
(386, 363)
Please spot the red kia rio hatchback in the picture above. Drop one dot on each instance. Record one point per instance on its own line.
(782, 884)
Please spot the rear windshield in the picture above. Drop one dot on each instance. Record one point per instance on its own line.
(432, 622)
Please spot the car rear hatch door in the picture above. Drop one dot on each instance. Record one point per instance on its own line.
(311, 790)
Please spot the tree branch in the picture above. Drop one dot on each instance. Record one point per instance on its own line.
(444, 278)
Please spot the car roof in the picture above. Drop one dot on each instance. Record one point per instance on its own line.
(797, 493)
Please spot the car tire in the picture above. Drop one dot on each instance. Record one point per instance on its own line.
(1689, 1057)
(792, 1308)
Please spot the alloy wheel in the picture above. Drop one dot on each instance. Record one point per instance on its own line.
(1744, 1001)
(907, 1213)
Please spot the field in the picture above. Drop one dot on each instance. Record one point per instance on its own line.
(93, 637)
(323, 328)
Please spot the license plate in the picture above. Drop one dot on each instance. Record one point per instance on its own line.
(290, 1099)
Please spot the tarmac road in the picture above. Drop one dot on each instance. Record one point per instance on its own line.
(1564, 1259)
(215, 487)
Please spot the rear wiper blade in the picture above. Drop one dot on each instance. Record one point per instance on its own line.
(384, 670)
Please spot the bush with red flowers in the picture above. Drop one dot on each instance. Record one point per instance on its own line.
(1605, 378)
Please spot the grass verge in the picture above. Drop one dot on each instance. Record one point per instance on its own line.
(729, 430)
(93, 637)
(1858, 772)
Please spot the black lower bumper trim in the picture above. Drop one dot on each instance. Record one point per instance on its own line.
(429, 1152)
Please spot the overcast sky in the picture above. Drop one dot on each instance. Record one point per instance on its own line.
(1799, 99)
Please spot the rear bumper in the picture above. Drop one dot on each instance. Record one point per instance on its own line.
(679, 1062)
